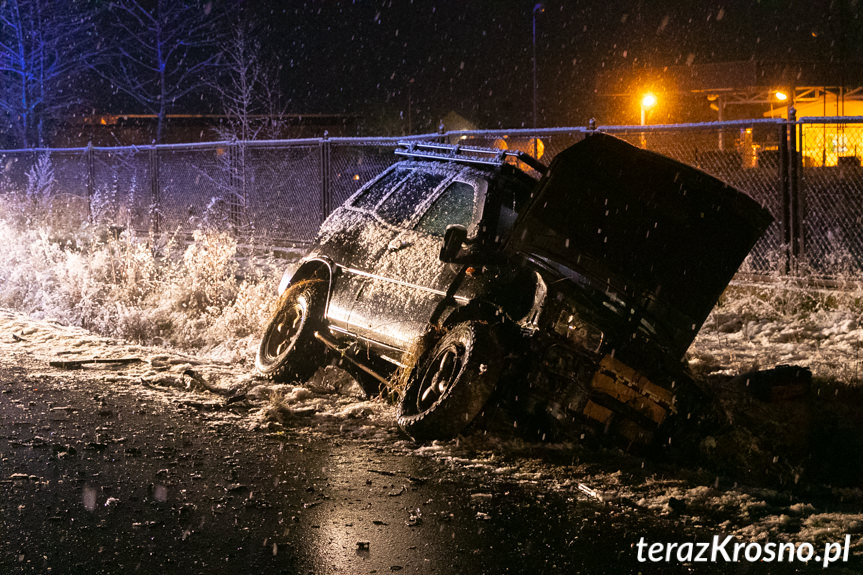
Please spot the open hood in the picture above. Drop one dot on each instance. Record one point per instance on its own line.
(663, 237)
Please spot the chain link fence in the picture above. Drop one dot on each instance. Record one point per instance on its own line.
(807, 173)
(831, 185)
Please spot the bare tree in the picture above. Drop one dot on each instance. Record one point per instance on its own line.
(44, 46)
(274, 105)
(162, 51)
(248, 91)
(248, 87)
(237, 86)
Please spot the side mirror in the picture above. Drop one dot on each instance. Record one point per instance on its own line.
(453, 239)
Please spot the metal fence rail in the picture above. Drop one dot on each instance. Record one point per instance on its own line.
(807, 173)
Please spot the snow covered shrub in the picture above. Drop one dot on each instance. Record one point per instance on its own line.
(193, 297)
(25, 203)
(789, 321)
(40, 202)
(103, 205)
(210, 271)
(249, 310)
(40, 181)
(77, 282)
(113, 204)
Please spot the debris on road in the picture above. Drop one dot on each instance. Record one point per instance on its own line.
(197, 381)
(592, 493)
(415, 518)
(76, 363)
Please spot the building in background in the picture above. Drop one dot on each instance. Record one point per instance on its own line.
(747, 90)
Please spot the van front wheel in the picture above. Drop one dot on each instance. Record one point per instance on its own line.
(451, 384)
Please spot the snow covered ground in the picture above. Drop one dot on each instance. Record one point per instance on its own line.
(759, 326)
(331, 403)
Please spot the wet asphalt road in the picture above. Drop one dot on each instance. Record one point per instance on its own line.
(98, 480)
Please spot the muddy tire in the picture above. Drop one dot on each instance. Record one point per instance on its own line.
(452, 383)
(288, 350)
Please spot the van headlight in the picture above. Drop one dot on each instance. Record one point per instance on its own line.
(574, 328)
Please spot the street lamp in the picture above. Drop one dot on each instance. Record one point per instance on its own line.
(647, 102)
(537, 9)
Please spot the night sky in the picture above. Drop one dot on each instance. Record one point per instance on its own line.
(474, 57)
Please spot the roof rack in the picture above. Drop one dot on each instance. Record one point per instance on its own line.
(466, 154)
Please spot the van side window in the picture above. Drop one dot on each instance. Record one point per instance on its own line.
(401, 204)
(454, 206)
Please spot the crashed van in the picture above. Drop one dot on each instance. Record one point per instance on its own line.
(463, 274)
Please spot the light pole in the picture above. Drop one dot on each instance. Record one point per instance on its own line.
(537, 9)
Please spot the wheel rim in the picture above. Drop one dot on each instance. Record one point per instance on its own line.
(440, 375)
(286, 328)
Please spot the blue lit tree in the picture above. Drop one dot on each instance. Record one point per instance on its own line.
(161, 51)
(44, 49)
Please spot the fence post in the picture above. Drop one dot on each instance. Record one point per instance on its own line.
(795, 220)
(91, 180)
(325, 176)
(785, 189)
(155, 195)
(235, 175)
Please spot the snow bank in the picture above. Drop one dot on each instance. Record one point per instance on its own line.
(759, 326)
(196, 297)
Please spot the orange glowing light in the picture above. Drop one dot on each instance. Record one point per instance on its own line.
(648, 101)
